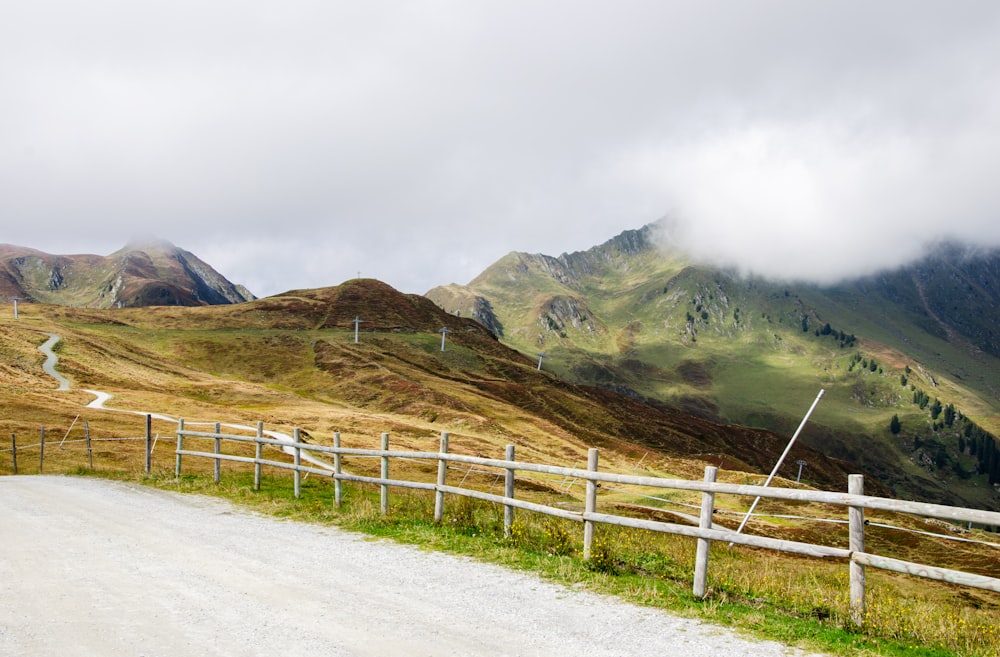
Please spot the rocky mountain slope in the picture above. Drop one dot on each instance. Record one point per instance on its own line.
(153, 273)
(638, 317)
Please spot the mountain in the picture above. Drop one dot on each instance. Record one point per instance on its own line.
(151, 273)
(292, 359)
(637, 316)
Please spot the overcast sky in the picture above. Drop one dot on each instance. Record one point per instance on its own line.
(296, 143)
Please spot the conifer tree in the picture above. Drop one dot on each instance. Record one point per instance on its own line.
(993, 464)
(949, 415)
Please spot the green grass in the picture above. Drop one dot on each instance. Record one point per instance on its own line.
(754, 364)
(764, 594)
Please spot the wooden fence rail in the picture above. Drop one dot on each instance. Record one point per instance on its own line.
(507, 469)
(705, 532)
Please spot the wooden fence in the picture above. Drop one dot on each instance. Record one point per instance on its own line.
(854, 500)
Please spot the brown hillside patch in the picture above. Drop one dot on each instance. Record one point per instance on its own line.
(696, 372)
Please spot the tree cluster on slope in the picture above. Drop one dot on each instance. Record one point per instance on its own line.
(973, 440)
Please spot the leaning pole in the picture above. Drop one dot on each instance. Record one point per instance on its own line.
(781, 460)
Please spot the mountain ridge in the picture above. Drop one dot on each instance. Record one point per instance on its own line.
(143, 273)
(633, 316)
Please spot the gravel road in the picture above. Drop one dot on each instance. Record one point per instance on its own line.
(91, 567)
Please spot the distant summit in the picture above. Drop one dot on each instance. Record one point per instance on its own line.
(146, 272)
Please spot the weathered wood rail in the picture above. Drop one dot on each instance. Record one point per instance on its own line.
(854, 500)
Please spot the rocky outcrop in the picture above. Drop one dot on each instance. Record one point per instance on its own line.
(458, 301)
(561, 314)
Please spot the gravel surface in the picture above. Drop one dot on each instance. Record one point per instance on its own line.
(92, 567)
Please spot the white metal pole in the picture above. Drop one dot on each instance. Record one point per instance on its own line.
(781, 460)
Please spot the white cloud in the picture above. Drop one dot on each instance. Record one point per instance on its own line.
(417, 142)
(825, 200)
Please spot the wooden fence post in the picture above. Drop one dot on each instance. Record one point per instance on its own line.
(180, 446)
(41, 452)
(218, 450)
(384, 490)
(149, 442)
(258, 454)
(297, 459)
(13, 451)
(86, 437)
(705, 522)
(856, 517)
(590, 506)
(442, 475)
(508, 492)
(338, 485)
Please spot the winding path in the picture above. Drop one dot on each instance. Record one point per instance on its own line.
(51, 360)
(101, 398)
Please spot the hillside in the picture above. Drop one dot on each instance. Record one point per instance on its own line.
(645, 320)
(154, 273)
(291, 360)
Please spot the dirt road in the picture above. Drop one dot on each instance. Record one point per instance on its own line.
(90, 567)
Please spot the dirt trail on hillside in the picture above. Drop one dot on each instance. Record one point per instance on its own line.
(92, 567)
(101, 398)
(51, 360)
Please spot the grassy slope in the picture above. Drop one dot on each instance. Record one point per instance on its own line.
(734, 349)
(291, 361)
